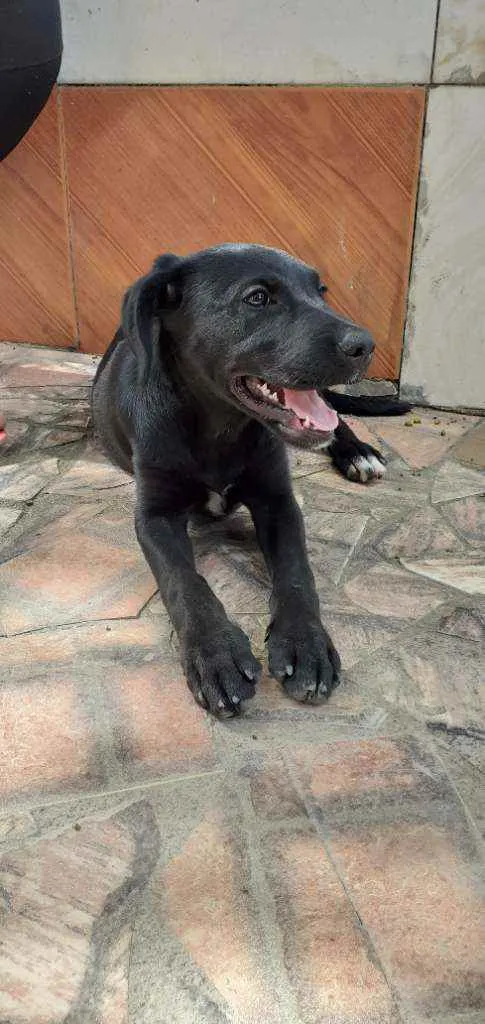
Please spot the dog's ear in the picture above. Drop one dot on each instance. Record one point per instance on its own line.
(158, 290)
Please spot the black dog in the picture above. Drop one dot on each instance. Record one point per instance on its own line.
(217, 363)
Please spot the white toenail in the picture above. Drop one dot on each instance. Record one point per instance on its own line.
(289, 670)
(235, 700)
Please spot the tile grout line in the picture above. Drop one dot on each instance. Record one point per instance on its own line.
(79, 623)
(435, 45)
(417, 202)
(414, 232)
(417, 83)
(362, 927)
(68, 214)
(267, 914)
(474, 829)
(73, 797)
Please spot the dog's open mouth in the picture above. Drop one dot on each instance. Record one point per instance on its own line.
(299, 412)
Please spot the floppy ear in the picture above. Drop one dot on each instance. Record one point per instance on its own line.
(150, 294)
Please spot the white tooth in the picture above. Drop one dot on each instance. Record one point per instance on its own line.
(306, 422)
(265, 389)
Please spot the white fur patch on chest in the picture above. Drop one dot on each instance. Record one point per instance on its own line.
(321, 446)
(216, 504)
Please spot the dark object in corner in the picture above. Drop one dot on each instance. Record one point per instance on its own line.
(30, 58)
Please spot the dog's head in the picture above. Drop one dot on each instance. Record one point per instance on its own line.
(251, 326)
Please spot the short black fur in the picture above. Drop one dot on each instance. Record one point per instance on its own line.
(172, 405)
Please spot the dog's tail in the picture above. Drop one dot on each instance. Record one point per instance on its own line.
(367, 405)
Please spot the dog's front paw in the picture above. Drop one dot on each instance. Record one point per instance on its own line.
(303, 658)
(221, 670)
(358, 461)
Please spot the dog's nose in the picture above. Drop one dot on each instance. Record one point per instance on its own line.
(356, 344)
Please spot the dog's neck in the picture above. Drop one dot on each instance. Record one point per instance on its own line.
(217, 416)
(219, 419)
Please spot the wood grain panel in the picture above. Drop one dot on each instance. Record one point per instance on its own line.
(36, 301)
(329, 174)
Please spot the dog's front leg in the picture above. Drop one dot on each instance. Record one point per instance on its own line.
(300, 652)
(216, 656)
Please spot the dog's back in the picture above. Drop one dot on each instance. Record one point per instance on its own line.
(106, 402)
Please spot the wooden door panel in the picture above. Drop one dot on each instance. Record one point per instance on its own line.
(327, 173)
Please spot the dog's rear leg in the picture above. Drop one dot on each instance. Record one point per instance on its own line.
(355, 459)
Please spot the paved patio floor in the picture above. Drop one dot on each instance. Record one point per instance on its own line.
(293, 866)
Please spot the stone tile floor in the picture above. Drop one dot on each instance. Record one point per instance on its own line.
(293, 866)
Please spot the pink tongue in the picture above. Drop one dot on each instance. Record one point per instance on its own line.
(309, 404)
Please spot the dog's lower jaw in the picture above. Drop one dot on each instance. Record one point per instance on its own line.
(304, 439)
(295, 411)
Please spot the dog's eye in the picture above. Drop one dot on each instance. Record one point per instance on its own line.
(322, 288)
(258, 297)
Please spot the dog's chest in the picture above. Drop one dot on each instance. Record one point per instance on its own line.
(218, 478)
(218, 505)
(221, 461)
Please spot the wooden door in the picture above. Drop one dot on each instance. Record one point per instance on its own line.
(329, 174)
